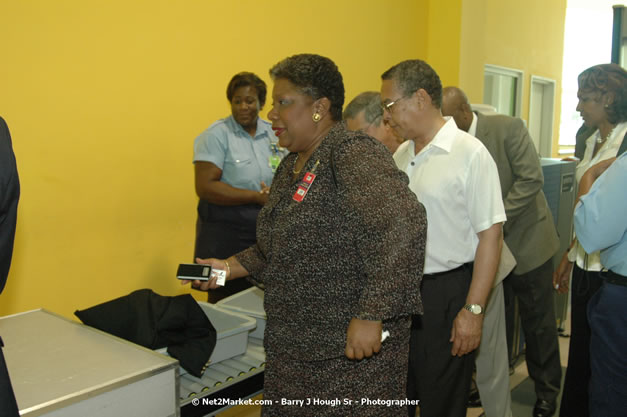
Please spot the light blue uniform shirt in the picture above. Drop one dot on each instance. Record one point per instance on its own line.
(601, 217)
(244, 161)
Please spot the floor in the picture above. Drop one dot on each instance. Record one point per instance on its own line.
(520, 373)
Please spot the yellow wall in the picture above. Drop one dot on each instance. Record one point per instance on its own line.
(444, 41)
(527, 36)
(104, 99)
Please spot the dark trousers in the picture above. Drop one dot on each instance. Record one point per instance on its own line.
(584, 285)
(534, 290)
(607, 315)
(438, 379)
(223, 231)
(8, 406)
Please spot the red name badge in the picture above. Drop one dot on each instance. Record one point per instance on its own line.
(303, 187)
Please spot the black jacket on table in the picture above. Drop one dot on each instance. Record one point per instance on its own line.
(155, 321)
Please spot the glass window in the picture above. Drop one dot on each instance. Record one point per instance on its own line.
(502, 89)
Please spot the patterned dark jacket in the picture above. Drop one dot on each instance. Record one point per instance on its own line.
(354, 247)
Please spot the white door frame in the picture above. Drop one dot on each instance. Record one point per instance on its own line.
(547, 109)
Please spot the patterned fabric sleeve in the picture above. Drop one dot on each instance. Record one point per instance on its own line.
(389, 228)
(253, 260)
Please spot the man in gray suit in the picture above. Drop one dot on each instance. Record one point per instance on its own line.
(530, 234)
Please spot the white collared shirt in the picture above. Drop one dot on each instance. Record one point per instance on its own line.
(456, 179)
(472, 130)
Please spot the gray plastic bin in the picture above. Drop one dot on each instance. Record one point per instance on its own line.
(250, 303)
(232, 332)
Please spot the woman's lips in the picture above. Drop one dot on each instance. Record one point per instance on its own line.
(278, 131)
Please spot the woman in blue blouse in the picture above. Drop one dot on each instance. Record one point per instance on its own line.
(234, 161)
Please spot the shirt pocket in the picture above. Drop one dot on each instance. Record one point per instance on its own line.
(240, 171)
(238, 160)
(237, 166)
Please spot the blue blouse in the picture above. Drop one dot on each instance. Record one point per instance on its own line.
(600, 220)
(244, 160)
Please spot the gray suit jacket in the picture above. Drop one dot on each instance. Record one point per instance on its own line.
(529, 231)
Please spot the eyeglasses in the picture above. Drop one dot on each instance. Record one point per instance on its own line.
(388, 106)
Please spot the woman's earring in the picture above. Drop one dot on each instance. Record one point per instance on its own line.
(316, 117)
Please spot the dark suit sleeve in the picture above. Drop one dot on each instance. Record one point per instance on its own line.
(9, 196)
(525, 166)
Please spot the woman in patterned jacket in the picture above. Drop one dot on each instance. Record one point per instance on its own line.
(340, 252)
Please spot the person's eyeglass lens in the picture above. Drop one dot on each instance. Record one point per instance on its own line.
(388, 106)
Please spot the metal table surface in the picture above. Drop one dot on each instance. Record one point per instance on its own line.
(54, 362)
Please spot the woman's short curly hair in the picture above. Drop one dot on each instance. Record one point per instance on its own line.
(603, 79)
(247, 79)
(414, 74)
(316, 76)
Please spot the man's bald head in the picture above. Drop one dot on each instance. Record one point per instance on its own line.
(455, 103)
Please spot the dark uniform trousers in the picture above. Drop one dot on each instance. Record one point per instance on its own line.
(223, 231)
(607, 315)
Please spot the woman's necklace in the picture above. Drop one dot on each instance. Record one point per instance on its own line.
(294, 169)
(601, 139)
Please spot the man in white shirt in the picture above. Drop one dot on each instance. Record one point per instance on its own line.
(456, 179)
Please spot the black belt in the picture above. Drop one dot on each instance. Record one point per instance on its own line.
(468, 266)
(613, 278)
